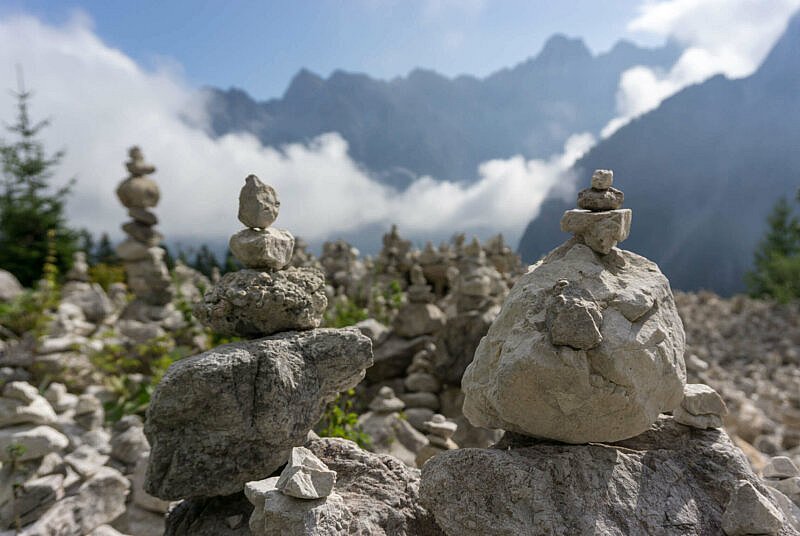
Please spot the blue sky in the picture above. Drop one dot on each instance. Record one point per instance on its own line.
(260, 45)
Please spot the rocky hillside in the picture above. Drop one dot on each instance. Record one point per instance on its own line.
(703, 171)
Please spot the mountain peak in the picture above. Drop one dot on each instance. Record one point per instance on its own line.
(560, 48)
(303, 83)
(783, 60)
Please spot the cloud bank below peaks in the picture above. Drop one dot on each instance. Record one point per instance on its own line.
(101, 102)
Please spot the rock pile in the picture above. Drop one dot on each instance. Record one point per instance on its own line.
(590, 336)
(440, 432)
(56, 475)
(148, 277)
(389, 432)
(419, 316)
(269, 296)
(588, 351)
(233, 414)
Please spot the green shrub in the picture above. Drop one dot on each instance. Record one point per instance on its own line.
(132, 373)
(340, 420)
(344, 312)
(106, 274)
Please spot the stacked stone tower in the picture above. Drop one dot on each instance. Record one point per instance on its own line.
(148, 277)
(233, 414)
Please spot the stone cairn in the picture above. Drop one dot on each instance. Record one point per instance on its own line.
(440, 432)
(422, 388)
(420, 316)
(390, 433)
(587, 353)
(232, 415)
(148, 277)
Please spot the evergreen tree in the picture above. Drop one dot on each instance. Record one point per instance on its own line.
(776, 267)
(29, 209)
(231, 264)
(205, 261)
(104, 252)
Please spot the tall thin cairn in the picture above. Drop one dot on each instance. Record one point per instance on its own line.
(148, 277)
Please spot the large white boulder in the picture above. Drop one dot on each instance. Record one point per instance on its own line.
(587, 347)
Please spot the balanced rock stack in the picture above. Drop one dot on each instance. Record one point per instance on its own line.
(268, 296)
(419, 316)
(148, 277)
(389, 432)
(587, 347)
(440, 432)
(422, 388)
(233, 414)
(584, 356)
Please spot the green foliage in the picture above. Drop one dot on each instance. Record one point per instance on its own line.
(231, 264)
(104, 252)
(133, 373)
(776, 267)
(343, 312)
(106, 274)
(29, 210)
(340, 420)
(28, 312)
(205, 261)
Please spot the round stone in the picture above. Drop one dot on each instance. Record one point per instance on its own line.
(138, 192)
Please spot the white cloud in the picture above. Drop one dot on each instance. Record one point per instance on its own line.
(101, 102)
(729, 37)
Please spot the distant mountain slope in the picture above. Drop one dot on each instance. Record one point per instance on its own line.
(702, 172)
(429, 124)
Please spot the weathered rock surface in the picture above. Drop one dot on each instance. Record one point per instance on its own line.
(751, 512)
(251, 303)
(416, 319)
(305, 476)
(671, 480)
(266, 249)
(214, 516)
(231, 415)
(98, 501)
(519, 381)
(601, 231)
(600, 200)
(35, 441)
(258, 203)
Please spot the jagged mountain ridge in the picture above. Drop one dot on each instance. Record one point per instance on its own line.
(428, 124)
(702, 173)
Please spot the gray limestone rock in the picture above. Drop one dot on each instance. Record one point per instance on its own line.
(600, 200)
(459, 340)
(708, 420)
(144, 234)
(415, 319)
(138, 192)
(601, 231)
(250, 303)
(751, 512)
(393, 435)
(130, 250)
(700, 399)
(232, 414)
(573, 317)
(519, 381)
(215, 516)
(265, 249)
(10, 286)
(90, 297)
(33, 498)
(380, 493)
(143, 216)
(34, 442)
(602, 179)
(258, 204)
(305, 476)
(669, 481)
(276, 514)
(98, 501)
(128, 441)
(780, 467)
